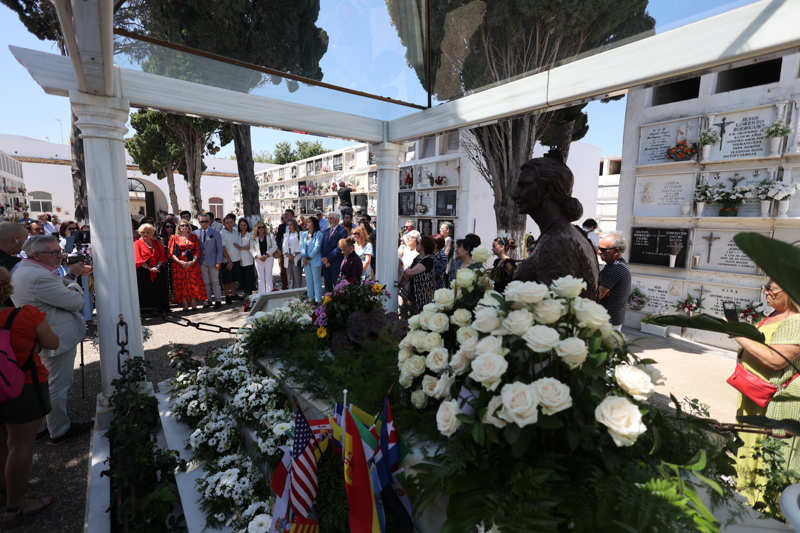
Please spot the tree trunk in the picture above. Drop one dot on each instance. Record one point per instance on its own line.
(504, 148)
(247, 176)
(173, 196)
(79, 191)
(193, 143)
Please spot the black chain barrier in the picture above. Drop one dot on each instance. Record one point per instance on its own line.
(202, 326)
(122, 342)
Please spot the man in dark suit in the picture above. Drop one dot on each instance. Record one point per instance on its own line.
(331, 254)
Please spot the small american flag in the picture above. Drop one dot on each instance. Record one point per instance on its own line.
(303, 487)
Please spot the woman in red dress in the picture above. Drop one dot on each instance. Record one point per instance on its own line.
(184, 251)
(152, 281)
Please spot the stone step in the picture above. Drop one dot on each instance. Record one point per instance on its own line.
(98, 488)
(176, 434)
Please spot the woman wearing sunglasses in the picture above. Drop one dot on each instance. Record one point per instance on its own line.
(263, 248)
(771, 362)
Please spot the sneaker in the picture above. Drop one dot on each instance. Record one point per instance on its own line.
(74, 430)
(217, 305)
(207, 304)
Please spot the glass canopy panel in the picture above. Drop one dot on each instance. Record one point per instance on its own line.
(157, 59)
(479, 44)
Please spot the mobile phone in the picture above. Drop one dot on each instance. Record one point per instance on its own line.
(731, 313)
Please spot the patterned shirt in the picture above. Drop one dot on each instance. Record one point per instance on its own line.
(616, 277)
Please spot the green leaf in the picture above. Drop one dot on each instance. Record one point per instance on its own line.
(466, 419)
(478, 434)
(550, 422)
(786, 424)
(511, 433)
(709, 323)
(520, 446)
(779, 260)
(713, 485)
(699, 462)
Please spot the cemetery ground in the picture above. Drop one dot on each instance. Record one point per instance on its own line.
(690, 370)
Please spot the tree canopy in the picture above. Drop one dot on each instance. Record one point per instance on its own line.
(284, 153)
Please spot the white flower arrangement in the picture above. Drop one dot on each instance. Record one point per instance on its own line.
(781, 190)
(709, 136)
(507, 358)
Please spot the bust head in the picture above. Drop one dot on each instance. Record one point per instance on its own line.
(545, 188)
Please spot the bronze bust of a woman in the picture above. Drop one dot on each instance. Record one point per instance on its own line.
(544, 191)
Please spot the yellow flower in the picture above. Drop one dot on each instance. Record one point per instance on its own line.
(377, 288)
(322, 332)
(326, 299)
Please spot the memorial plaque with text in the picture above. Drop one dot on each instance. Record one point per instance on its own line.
(714, 295)
(661, 294)
(716, 250)
(655, 246)
(663, 196)
(741, 133)
(656, 139)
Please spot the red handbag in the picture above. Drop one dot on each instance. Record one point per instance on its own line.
(754, 387)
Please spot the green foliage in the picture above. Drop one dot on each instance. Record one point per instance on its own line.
(709, 323)
(307, 149)
(331, 499)
(143, 492)
(39, 17)
(154, 147)
(264, 156)
(772, 476)
(779, 260)
(284, 153)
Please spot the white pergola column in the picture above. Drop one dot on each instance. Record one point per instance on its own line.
(101, 120)
(387, 158)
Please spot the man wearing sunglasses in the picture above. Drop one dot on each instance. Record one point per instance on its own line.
(211, 243)
(615, 278)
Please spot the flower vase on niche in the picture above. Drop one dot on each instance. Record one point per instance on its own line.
(699, 208)
(672, 259)
(783, 208)
(766, 208)
(706, 152)
(775, 145)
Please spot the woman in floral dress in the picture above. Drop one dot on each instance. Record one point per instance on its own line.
(184, 251)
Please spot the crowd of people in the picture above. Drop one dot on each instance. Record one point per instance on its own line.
(229, 260)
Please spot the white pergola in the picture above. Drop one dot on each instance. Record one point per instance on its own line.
(101, 95)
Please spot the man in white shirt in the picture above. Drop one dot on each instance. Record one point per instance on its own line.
(589, 227)
(231, 272)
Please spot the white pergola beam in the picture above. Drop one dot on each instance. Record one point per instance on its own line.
(755, 30)
(56, 76)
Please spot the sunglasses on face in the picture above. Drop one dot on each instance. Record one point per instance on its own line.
(770, 289)
(204, 222)
(603, 250)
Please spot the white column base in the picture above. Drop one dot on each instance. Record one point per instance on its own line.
(387, 158)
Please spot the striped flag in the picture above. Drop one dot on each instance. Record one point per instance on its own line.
(305, 453)
(304, 525)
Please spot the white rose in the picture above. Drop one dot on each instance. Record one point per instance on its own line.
(408, 340)
(489, 418)
(480, 255)
(490, 344)
(461, 317)
(486, 320)
(612, 339)
(465, 333)
(428, 384)
(419, 399)
(590, 314)
(520, 403)
(280, 428)
(444, 298)
(622, 418)
(525, 292)
(469, 348)
(490, 299)
(447, 421)
(554, 396)
(442, 388)
(549, 311)
(655, 374)
(402, 355)
(568, 286)
(437, 359)
(572, 351)
(418, 340)
(260, 524)
(432, 340)
(405, 380)
(541, 339)
(414, 366)
(424, 318)
(517, 322)
(459, 362)
(465, 278)
(431, 307)
(634, 381)
(487, 369)
(439, 322)
(413, 322)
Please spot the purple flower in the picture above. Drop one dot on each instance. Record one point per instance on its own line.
(322, 318)
(339, 288)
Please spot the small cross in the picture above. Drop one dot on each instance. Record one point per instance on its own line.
(722, 127)
(710, 238)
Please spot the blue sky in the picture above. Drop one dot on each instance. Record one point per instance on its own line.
(370, 59)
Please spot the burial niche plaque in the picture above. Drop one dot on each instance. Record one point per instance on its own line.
(659, 246)
(661, 294)
(716, 250)
(656, 139)
(663, 196)
(741, 133)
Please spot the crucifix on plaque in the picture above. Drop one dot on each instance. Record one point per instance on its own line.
(658, 238)
(710, 238)
(722, 126)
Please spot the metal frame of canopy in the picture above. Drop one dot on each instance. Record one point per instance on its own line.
(101, 95)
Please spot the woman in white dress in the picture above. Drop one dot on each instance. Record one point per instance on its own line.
(263, 248)
(364, 251)
(291, 252)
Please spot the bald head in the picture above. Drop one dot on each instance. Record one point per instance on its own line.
(12, 236)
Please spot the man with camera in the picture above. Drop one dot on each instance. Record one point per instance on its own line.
(36, 282)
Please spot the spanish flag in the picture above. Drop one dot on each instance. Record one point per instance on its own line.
(360, 497)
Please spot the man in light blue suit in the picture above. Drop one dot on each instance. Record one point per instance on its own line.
(331, 254)
(211, 241)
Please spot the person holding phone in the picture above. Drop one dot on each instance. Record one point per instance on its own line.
(771, 362)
